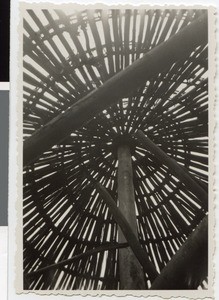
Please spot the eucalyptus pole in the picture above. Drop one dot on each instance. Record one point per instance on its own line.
(130, 270)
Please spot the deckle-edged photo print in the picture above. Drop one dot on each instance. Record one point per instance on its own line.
(116, 147)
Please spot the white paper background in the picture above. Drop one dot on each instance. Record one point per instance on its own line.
(12, 154)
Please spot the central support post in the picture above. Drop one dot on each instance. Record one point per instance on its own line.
(131, 273)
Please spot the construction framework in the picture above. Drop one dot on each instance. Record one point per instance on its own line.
(115, 151)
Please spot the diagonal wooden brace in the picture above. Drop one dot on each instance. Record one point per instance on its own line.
(121, 85)
(132, 240)
(189, 262)
(76, 258)
(174, 168)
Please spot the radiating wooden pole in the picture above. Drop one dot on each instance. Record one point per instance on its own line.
(121, 85)
(130, 270)
(174, 168)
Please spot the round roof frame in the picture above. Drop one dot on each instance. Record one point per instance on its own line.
(66, 57)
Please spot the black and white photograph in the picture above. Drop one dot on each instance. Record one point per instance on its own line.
(115, 151)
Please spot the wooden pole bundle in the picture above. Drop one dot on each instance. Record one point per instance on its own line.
(121, 85)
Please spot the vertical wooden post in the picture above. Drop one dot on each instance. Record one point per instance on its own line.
(131, 273)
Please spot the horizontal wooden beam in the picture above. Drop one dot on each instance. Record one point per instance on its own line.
(174, 168)
(189, 266)
(76, 258)
(121, 85)
(128, 233)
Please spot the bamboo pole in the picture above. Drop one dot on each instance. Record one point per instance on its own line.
(175, 168)
(189, 263)
(121, 85)
(133, 242)
(130, 270)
